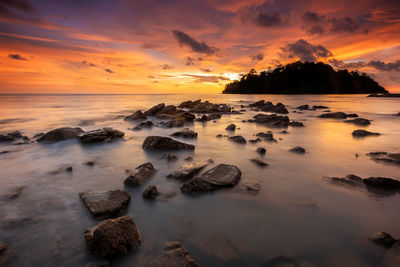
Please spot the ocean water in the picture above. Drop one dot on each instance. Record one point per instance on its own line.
(297, 212)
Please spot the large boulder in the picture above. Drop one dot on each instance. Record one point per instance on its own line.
(164, 143)
(106, 204)
(137, 115)
(223, 175)
(382, 183)
(187, 170)
(140, 175)
(113, 236)
(173, 255)
(100, 135)
(60, 134)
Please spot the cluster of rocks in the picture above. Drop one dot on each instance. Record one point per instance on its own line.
(274, 120)
(95, 136)
(205, 107)
(385, 157)
(314, 107)
(13, 136)
(269, 107)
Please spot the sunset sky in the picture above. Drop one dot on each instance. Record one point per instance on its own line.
(184, 46)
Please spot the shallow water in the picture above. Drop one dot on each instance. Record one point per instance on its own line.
(297, 213)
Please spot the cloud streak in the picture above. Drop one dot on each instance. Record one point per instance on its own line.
(199, 47)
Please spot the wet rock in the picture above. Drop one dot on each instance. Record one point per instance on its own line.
(150, 192)
(167, 196)
(269, 107)
(296, 124)
(185, 133)
(11, 136)
(209, 117)
(187, 170)
(141, 174)
(164, 143)
(173, 255)
(383, 239)
(303, 107)
(188, 158)
(231, 127)
(363, 133)
(259, 162)
(238, 139)
(319, 107)
(100, 135)
(261, 150)
(106, 204)
(359, 121)
(255, 140)
(385, 157)
(336, 115)
(373, 184)
(137, 115)
(353, 115)
(284, 132)
(382, 183)
(3, 246)
(170, 157)
(298, 150)
(222, 175)
(60, 134)
(152, 111)
(113, 236)
(272, 120)
(268, 136)
(249, 186)
(68, 169)
(398, 114)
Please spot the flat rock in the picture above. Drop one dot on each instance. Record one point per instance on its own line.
(298, 150)
(106, 204)
(188, 170)
(359, 121)
(336, 115)
(272, 120)
(140, 175)
(164, 143)
(113, 236)
(60, 134)
(238, 139)
(231, 127)
(259, 162)
(363, 133)
(173, 255)
(185, 133)
(100, 135)
(222, 175)
(383, 239)
(151, 192)
(137, 115)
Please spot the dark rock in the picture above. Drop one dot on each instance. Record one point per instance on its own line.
(231, 127)
(113, 236)
(173, 255)
(296, 124)
(272, 120)
(137, 115)
(259, 162)
(222, 175)
(142, 173)
(261, 150)
(334, 115)
(145, 124)
(359, 121)
(363, 133)
(60, 134)
(269, 107)
(100, 135)
(152, 111)
(205, 107)
(186, 133)
(303, 107)
(249, 186)
(187, 170)
(11, 136)
(385, 157)
(106, 204)
(238, 139)
(69, 169)
(353, 115)
(284, 132)
(268, 136)
(319, 107)
(209, 117)
(164, 143)
(398, 114)
(150, 192)
(383, 239)
(255, 140)
(298, 150)
(392, 256)
(382, 183)
(218, 135)
(90, 163)
(3, 246)
(170, 157)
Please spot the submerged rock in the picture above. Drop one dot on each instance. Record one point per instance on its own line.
(145, 124)
(385, 157)
(187, 170)
(113, 236)
(359, 121)
(269, 107)
(60, 134)
(337, 115)
(100, 135)
(186, 133)
(319, 107)
(238, 139)
(170, 157)
(255, 140)
(220, 176)
(9, 137)
(259, 162)
(106, 204)
(209, 117)
(363, 133)
(231, 127)
(150, 192)
(378, 185)
(383, 239)
(173, 255)
(137, 115)
(164, 143)
(298, 150)
(141, 174)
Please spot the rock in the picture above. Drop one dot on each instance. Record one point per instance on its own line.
(398, 114)
(259, 162)
(303, 107)
(249, 186)
(188, 158)
(392, 256)
(238, 139)
(187, 171)
(100, 135)
(113, 236)
(11, 136)
(205, 107)
(319, 107)
(255, 140)
(152, 111)
(336, 115)
(359, 121)
(170, 157)
(272, 120)
(173, 255)
(6, 255)
(106, 204)
(209, 117)
(164, 143)
(185, 133)
(298, 150)
(150, 192)
(231, 127)
(261, 150)
(385, 157)
(383, 239)
(145, 124)
(222, 175)
(141, 174)
(363, 133)
(69, 169)
(137, 115)
(268, 136)
(90, 163)
(382, 183)
(284, 132)
(60, 134)
(353, 115)
(3, 246)
(269, 107)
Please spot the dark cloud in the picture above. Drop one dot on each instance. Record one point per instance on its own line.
(109, 71)
(345, 24)
(189, 61)
(89, 64)
(167, 67)
(22, 5)
(199, 47)
(268, 20)
(313, 23)
(305, 51)
(205, 70)
(377, 64)
(17, 57)
(257, 57)
(380, 65)
(147, 46)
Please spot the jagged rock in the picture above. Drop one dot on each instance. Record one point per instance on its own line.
(359, 121)
(231, 127)
(5, 254)
(187, 170)
(209, 117)
(106, 204)
(150, 192)
(298, 150)
(205, 107)
(173, 255)
(60, 134)
(186, 133)
(164, 143)
(100, 135)
(113, 236)
(255, 140)
(238, 139)
(261, 150)
(303, 107)
(269, 107)
(363, 133)
(152, 111)
(296, 124)
(222, 175)
(259, 162)
(337, 115)
(137, 115)
(268, 136)
(383, 239)
(170, 157)
(141, 174)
